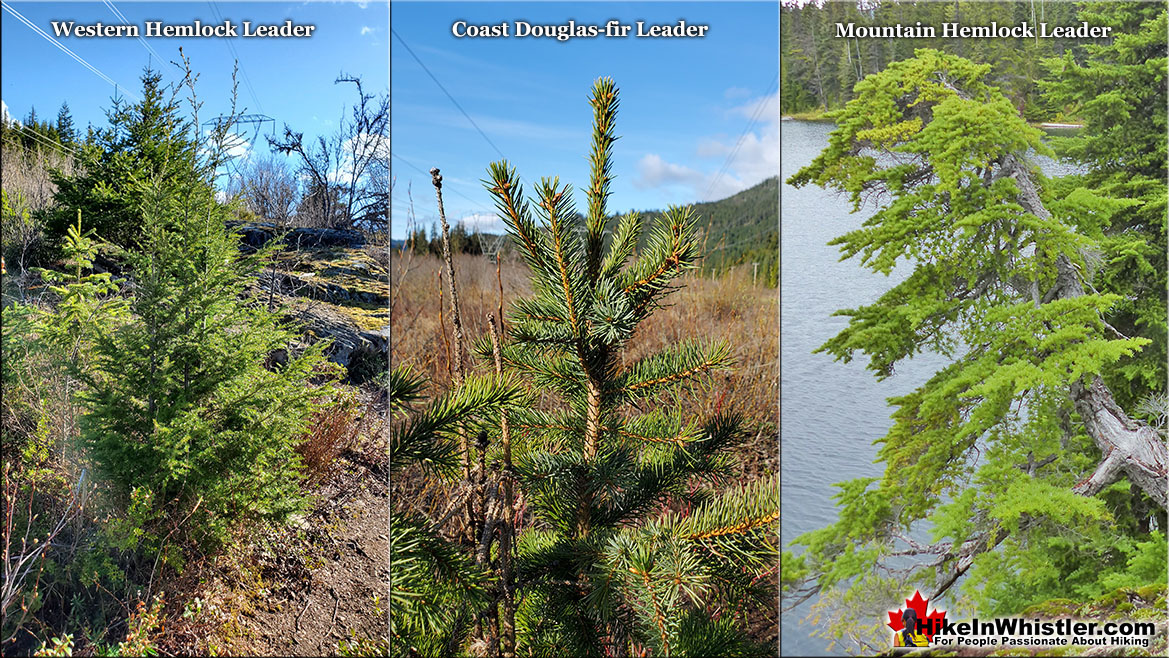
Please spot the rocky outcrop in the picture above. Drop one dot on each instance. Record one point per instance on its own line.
(257, 234)
(333, 286)
(363, 353)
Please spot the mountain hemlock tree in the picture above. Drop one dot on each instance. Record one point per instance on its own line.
(1038, 483)
(630, 546)
(179, 408)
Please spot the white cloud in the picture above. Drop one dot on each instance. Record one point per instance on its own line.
(235, 145)
(653, 171)
(238, 146)
(744, 159)
(4, 111)
(736, 92)
(483, 223)
(365, 29)
(764, 109)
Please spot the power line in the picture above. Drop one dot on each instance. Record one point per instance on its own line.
(125, 21)
(72, 54)
(235, 54)
(448, 94)
(738, 144)
(478, 205)
(43, 141)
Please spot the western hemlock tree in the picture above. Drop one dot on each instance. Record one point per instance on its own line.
(120, 164)
(65, 130)
(179, 406)
(1039, 483)
(631, 544)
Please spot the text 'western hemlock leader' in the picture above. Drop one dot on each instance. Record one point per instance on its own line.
(196, 29)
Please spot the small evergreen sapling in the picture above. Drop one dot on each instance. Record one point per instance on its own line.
(608, 564)
(178, 404)
(435, 588)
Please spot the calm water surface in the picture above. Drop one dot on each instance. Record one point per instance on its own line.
(832, 412)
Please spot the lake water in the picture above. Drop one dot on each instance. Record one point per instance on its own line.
(831, 412)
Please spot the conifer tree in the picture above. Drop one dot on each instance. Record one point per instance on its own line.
(121, 163)
(1034, 474)
(1120, 92)
(632, 543)
(436, 589)
(65, 130)
(181, 414)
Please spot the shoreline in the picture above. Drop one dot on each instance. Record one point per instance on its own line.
(820, 115)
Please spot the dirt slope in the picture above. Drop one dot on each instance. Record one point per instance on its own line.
(330, 585)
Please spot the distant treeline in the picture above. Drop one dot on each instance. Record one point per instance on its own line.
(338, 181)
(742, 229)
(739, 230)
(818, 70)
(462, 241)
(35, 133)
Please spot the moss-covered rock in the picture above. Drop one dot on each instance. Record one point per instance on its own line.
(334, 286)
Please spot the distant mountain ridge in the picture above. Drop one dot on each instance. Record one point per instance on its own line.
(738, 230)
(742, 228)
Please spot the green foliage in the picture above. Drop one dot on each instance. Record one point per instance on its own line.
(426, 438)
(605, 563)
(818, 70)
(147, 144)
(738, 230)
(178, 404)
(436, 588)
(36, 136)
(991, 449)
(1119, 90)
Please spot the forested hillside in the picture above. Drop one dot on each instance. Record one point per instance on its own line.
(818, 70)
(741, 229)
(738, 230)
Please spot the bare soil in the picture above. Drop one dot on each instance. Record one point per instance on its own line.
(327, 583)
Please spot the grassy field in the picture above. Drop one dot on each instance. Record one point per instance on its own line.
(726, 308)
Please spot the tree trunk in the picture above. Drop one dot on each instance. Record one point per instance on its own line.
(1128, 446)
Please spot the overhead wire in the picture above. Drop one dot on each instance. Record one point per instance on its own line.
(125, 21)
(44, 35)
(448, 94)
(44, 141)
(235, 54)
(478, 204)
(739, 143)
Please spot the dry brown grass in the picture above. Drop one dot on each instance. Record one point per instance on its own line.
(332, 430)
(27, 173)
(725, 308)
(416, 337)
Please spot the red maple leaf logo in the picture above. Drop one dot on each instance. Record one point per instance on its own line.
(930, 623)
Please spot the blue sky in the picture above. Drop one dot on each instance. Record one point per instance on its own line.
(292, 79)
(690, 107)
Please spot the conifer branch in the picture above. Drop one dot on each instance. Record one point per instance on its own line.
(673, 366)
(504, 185)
